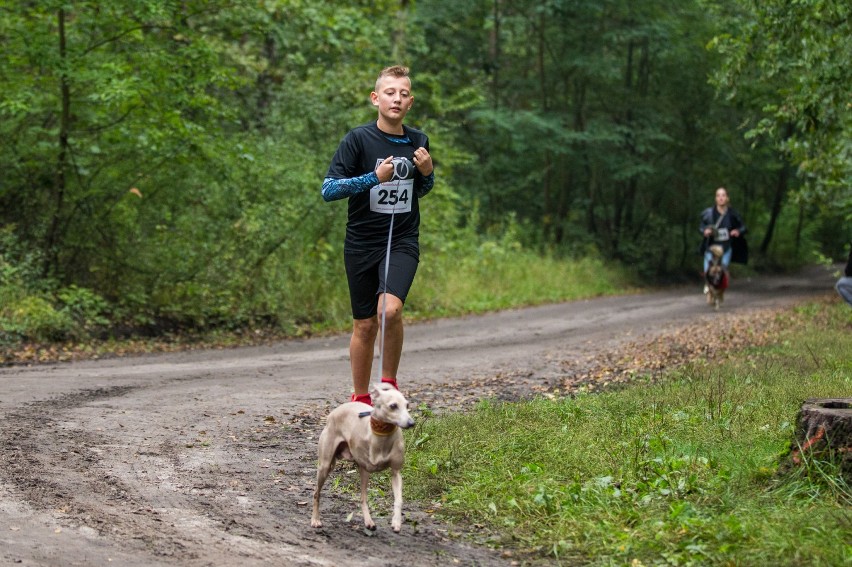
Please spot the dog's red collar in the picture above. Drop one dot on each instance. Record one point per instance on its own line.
(381, 428)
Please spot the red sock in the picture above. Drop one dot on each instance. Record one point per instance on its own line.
(363, 398)
(391, 381)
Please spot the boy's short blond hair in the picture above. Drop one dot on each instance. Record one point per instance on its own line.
(392, 71)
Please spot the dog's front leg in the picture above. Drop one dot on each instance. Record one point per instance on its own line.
(365, 511)
(396, 485)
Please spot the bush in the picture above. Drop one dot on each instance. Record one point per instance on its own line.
(85, 309)
(33, 318)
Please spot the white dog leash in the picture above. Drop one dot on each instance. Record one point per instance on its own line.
(385, 291)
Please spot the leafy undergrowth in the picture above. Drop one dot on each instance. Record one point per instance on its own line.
(486, 278)
(673, 461)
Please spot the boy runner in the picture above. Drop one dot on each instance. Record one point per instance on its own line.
(383, 168)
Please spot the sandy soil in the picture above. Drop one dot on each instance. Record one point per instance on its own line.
(208, 458)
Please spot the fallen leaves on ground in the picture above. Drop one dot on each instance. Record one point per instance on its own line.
(662, 350)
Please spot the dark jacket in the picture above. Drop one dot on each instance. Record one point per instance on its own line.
(732, 220)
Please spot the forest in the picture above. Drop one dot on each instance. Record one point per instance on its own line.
(161, 160)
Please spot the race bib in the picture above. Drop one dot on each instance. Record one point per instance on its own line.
(721, 235)
(394, 196)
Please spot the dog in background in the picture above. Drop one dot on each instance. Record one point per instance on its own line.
(371, 437)
(716, 278)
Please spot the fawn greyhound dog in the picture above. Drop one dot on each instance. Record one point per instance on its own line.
(371, 437)
(716, 278)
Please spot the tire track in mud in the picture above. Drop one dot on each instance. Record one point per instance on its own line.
(60, 468)
(57, 467)
(198, 497)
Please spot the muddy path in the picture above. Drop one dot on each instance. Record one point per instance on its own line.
(208, 458)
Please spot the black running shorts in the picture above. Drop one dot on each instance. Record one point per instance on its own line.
(366, 274)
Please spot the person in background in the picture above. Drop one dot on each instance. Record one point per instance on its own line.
(721, 224)
(383, 168)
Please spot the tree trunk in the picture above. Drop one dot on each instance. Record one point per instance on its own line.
(824, 430)
(494, 53)
(549, 220)
(800, 226)
(60, 179)
(399, 33)
(780, 191)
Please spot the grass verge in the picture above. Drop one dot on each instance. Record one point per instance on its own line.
(679, 470)
(493, 277)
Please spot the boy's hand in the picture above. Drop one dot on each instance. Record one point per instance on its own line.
(384, 171)
(423, 161)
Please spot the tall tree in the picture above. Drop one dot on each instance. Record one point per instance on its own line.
(800, 52)
(112, 86)
(169, 154)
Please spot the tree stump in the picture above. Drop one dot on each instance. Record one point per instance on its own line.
(823, 431)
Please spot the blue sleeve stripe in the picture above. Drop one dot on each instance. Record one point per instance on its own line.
(334, 189)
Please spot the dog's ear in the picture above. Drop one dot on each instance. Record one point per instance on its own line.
(375, 393)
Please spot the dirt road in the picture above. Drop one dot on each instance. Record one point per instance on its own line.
(208, 458)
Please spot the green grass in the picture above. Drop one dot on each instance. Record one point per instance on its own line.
(495, 276)
(679, 471)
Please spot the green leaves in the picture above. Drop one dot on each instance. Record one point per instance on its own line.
(798, 53)
(577, 127)
(162, 100)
